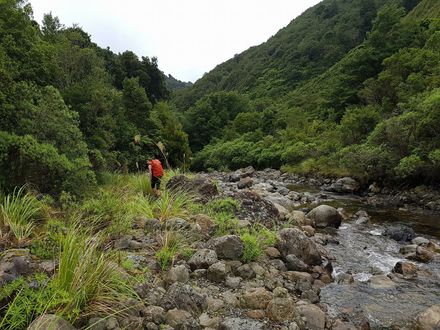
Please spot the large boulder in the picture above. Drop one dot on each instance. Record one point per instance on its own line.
(50, 322)
(293, 241)
(325, 216)
(429, 319)
(15, 263)
(227, 247)
(256, 209)
(345, 185)
(400, 233)
(203, 187)
(183, 296)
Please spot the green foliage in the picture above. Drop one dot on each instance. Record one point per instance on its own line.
(89, 277)
(255, 240)
(252, 249)
(171, 243)
(172, 204)
(227, 205)
(29, 301)
(19, 211)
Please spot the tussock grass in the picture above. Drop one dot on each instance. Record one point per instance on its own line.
(170, 242)
(255, 240)
(172, 204)
(19, 211)
(91, 279)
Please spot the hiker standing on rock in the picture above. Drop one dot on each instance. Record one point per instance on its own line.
(156, 172)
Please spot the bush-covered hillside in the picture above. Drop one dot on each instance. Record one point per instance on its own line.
(69, 109)
(373, 114)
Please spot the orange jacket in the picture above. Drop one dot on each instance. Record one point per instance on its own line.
(156, 168)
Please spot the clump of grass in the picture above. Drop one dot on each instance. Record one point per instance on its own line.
(90, 278)
(19, 211)
(227, 204)
(255, 240)
(141, 183)
(225, 223)
(251, 247)
(171, 244)
(172, 204)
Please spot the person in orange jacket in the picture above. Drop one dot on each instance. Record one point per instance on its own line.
(156, 172)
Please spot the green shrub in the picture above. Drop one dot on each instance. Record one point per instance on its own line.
(24, 160)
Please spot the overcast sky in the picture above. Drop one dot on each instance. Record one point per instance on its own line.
(189, 37)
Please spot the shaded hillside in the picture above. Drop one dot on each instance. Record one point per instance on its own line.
(309, 45)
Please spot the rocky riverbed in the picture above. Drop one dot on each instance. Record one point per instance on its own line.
(339, 261)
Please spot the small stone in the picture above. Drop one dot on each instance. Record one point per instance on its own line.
(245, 271)
(50, 321)
(407, 269)
(227, 247)
(408, 249)
(217, 272)
(199, 273)
(345, 279)
(295, 264)
(180, 319)
(255, 298)
(177, 274)
(233, 282)
(310, 295)
(257, 314)
(273, 252)
(278, 264)
(280, 292)
(245, 183)
(236, 323)
(202, 259)
(214, 304)
(260, 271)
(281, 309)
(309, 230)
(122, 243)
(313, 315)
(205, 223)
(154, 314)
(206, 321)
(177, 224)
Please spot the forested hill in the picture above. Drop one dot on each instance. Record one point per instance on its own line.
(70, 109)
(369, 110)
(309, 45)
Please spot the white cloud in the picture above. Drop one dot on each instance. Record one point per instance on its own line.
(189, 37)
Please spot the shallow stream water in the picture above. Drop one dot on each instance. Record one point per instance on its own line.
(363, 252)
